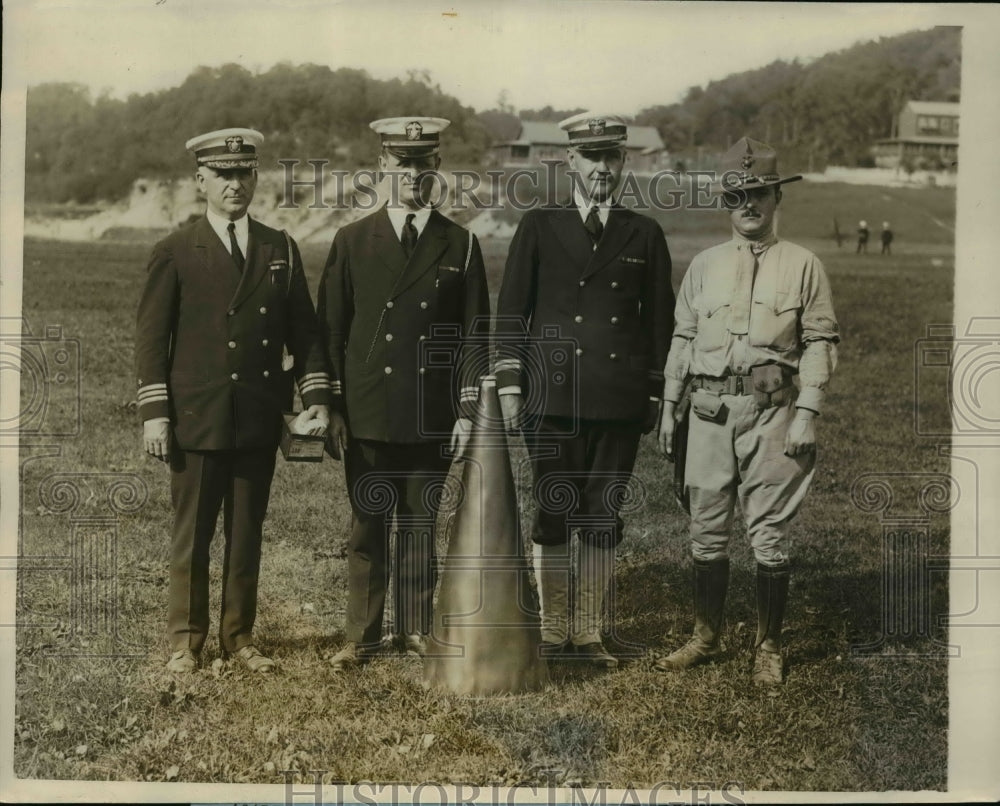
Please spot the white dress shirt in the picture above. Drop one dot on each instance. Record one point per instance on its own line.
(221, 227)
(397, 216)
(583, 206)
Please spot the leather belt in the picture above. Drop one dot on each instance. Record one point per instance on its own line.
(729, 385)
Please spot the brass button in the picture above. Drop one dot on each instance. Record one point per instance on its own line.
(232, 345)
(579, 351)
(235, 376)
(614, 320)
(264, 343)
(388, 337)
(614, 284)
(614, 356)
(388, 304)
(423, 305)
(583, 283)
(388, 370)
(267, 374)
(232, 312)
(422, 338)
(263, 309)
(422, 370)
(578, 319)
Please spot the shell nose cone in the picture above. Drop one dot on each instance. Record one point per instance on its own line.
(486, 632)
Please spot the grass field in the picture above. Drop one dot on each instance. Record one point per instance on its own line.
(93, 702)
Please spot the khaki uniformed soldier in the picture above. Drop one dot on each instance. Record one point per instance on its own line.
(752, 314)
(402, 292)
(583, 327)
(224, 299)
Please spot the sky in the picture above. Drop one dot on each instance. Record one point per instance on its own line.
(617, 55)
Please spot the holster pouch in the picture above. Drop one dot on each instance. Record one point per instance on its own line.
(772, 385)
(707, 406)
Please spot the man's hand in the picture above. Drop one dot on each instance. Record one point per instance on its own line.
(322, 414)
(667, 425)
(337, 430)
(652, 416)
(512, 407)
(156, 438)
(460, 436)
(801, 436)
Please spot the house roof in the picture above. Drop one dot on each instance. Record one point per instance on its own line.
(920, 140)
(536, 132)
(933, 107)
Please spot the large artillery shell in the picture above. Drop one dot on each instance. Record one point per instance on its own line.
(486, 633)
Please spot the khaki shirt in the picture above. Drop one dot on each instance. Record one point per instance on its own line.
(791, 319)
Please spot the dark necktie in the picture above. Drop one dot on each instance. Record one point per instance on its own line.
(747, 263)
(593, 225)
(234, 247)
(409, 239)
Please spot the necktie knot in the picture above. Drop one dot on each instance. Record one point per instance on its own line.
(234, 247)
(593, 225)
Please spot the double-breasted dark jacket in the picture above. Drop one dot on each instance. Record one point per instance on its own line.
(407, 339)
(585, 332)
(210, 339)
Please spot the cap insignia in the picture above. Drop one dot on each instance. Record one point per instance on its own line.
(596, 126)
(748, 159)
(414, 130)
(234, 144)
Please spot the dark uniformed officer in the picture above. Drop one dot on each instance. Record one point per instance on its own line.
(401, 293)
(752, 314)
(224, 300)
(583, 327)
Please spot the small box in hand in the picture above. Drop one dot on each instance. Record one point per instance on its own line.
(300, 447)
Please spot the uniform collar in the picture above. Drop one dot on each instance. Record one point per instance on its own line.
(759, 245)
(221, 226)
(397, 216)
(584, 206)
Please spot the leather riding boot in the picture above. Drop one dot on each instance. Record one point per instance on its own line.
(711, 581)
(596, 567)
(772, 595)
(552, 576)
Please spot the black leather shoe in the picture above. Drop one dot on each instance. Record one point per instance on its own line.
(254, 660)
(183, 661)
(415, 644)
(596, 654)
(352, 656)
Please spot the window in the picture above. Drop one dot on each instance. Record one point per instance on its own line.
(928, 124)
(520, 152)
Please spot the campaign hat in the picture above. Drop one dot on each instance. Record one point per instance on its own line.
(748, 165)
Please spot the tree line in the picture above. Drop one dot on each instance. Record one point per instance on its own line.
(828, 111)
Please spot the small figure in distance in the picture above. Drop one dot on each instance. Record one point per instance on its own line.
(887, 237)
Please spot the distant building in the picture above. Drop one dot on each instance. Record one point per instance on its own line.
(926, 137)
(539, 141)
